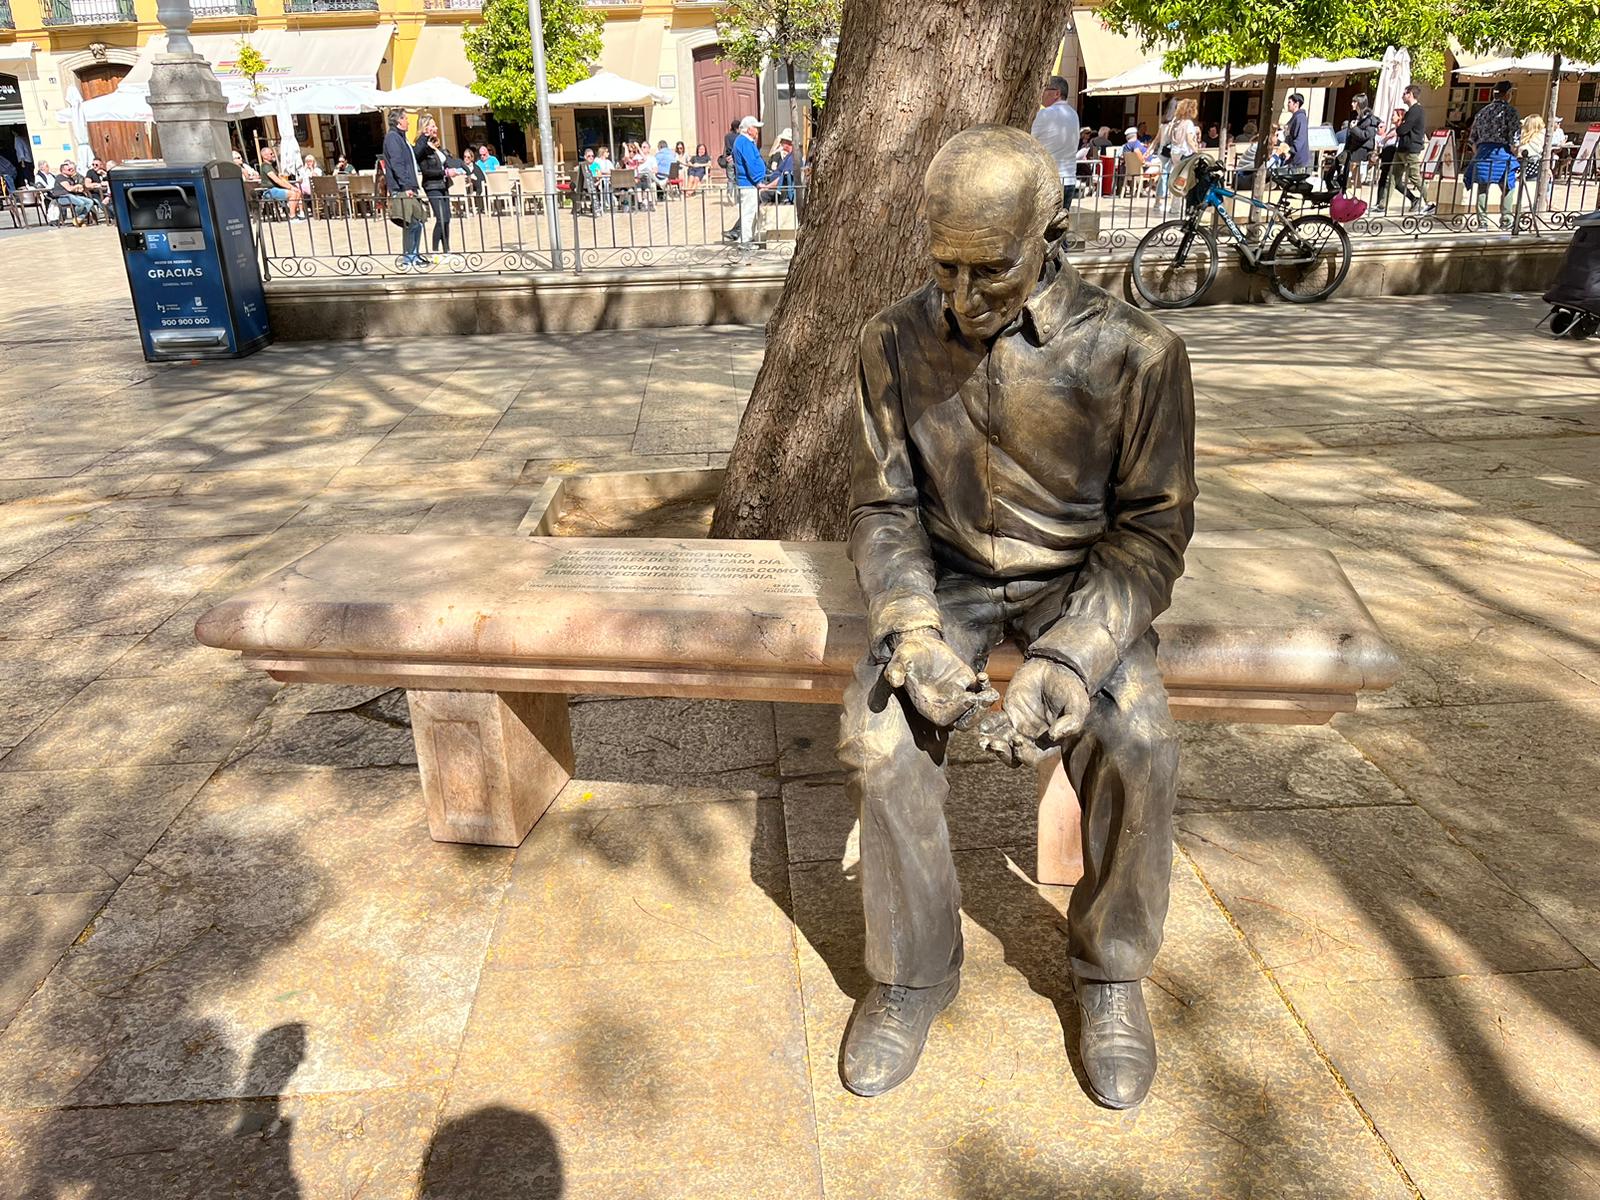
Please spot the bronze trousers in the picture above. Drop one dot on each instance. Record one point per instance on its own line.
(1123, 765)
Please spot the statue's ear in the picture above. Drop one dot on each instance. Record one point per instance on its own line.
(1057, 228)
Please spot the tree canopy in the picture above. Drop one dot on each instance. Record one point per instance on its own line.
(1215, 33)
(1570, 28)
(802, 33)
(501, 53)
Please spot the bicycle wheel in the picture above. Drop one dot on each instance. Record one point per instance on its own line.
(1175, 264)
(1310, 258)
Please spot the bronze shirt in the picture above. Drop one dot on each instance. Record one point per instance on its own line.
(1066, 446)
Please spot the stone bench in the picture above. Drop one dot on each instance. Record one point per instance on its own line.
(489, 636)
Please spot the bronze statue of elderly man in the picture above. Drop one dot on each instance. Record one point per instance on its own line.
(1024, 469)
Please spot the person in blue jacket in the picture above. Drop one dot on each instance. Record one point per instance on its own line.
(749, 176)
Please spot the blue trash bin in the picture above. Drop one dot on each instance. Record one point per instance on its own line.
(191, 260)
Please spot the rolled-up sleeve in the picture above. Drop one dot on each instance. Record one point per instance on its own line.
(1127, 579)
(888, 543)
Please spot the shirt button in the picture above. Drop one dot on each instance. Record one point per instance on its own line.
(994, 439)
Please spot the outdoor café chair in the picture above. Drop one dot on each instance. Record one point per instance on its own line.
(325, 195)
(501, 191)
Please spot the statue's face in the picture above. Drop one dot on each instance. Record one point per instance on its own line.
(986, 262)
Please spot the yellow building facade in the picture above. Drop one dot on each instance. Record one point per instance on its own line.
(48, 47)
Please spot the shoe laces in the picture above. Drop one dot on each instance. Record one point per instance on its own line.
(891, 1000)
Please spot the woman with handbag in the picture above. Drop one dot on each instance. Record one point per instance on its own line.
(1361, 136)
(436, 169)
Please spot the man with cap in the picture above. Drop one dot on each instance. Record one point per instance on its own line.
(1056, 126)
(1023, 471)
(749, 173)
(786, 167)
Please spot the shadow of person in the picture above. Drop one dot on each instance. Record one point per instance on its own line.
(493, 1153)
(177, 1151)
(277, 1056)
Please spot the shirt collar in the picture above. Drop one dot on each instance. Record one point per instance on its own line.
(1047, 311)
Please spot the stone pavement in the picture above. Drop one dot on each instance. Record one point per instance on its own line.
(233, 964)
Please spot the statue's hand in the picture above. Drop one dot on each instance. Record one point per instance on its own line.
(1046, 698)
(943, 689)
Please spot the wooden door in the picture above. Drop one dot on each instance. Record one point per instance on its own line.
(112, 140)
(719, 99)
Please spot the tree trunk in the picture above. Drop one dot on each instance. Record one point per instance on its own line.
(1546, 158)
(1269, 111)
(908, 76)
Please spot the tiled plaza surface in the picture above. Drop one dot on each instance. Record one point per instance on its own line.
(232, 964)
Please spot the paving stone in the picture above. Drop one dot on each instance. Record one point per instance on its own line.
(694, 742)
(39, 675)
(112, 588)
(1483, 1085)
(85, 830)
(352, 729)
(364, 1145)
(1274, 766)
(1364, 894)
(659, 883)
(1241, 1104)
(118, 722)
(1515, 783)
(643, 1094)
(1453, 651)
(314, 899)
(35, 931)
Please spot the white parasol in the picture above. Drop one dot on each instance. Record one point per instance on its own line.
(1394, 76)
(80, 127)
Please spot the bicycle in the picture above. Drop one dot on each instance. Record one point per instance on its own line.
(1306, 258)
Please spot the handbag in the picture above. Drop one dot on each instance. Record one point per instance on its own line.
(1345, 209)
(406, 210)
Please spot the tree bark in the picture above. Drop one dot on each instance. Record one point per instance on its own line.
(908, 76)
(1269, 112)
(1546, 157)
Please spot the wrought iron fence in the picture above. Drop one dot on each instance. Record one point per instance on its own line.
(1116, 203)
(204, 9)
(452, 5)
(89, 12)
(343, 228)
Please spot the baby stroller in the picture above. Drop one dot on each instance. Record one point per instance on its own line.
(1575, 298)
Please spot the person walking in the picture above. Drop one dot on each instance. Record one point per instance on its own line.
(1182, 142)
(1496, 132)
(1057, 128)
(405, 205)
(1410, 136)
(1295, 134)
(1361, 136)
(1531, 155)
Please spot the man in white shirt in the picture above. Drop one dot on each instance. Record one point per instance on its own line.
(1056, 127)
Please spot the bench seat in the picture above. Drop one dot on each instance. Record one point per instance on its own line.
(489, 635)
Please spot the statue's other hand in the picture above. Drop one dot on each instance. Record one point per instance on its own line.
(1046, 698)
(940, 685)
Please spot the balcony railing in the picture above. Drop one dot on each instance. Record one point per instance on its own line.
(6, 19)
(452, 5)
(209, 9)
(89, 12)
(614, 3)
(302, 7)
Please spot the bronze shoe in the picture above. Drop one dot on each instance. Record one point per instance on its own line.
(1116, 1041)
(886, 1034)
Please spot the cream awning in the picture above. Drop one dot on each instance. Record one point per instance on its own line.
(1103, 52)
(296, 58)
(439, 53)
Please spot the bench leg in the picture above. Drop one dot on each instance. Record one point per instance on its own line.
(491, 762)
(1060, 835)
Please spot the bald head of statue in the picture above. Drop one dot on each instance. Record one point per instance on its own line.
(993, 203)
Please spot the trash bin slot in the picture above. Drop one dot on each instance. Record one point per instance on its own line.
(189, 339)
(163, 206)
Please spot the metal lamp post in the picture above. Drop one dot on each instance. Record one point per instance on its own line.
(547, 153)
